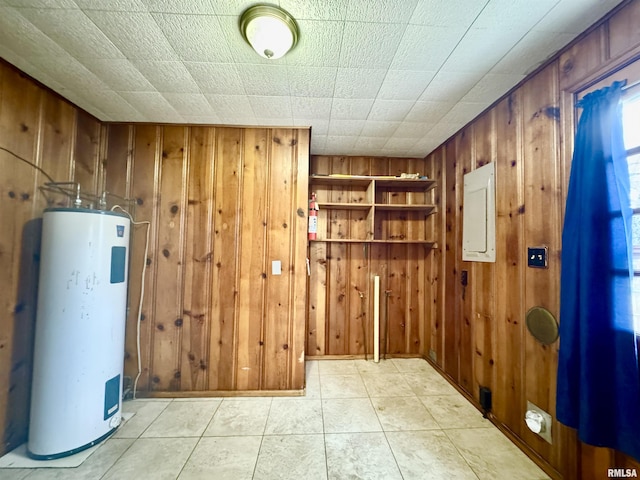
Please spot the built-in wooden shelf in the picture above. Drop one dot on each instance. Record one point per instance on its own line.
(374, 209)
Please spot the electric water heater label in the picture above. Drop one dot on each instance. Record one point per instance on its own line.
(120, 230)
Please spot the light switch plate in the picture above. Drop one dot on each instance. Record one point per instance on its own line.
(537, 257)
(276, 267)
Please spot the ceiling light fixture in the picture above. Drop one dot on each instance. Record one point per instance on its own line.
(271, 31)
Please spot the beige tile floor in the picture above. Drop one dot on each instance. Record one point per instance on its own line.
(398, 419)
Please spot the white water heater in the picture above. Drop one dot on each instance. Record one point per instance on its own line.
(79, 339)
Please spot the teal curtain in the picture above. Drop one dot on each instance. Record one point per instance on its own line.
(598, 390)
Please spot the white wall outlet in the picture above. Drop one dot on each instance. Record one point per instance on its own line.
(538, 421)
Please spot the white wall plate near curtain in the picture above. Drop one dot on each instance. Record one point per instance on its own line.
(479, 215)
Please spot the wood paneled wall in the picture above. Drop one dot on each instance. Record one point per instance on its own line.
(339, 319)
(223, 204)
(64, 141)
(483, 340)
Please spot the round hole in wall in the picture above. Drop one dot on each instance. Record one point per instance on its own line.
(542, 325)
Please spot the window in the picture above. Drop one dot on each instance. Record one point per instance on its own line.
(631, 130)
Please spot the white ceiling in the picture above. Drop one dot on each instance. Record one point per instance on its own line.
(371, 77)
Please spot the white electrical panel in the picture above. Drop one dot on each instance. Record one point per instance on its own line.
(479, 215)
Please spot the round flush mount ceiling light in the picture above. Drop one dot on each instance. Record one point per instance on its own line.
(271, 31)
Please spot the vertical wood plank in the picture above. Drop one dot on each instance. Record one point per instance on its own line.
(20, 105)
(451, 323)
(196, 314)
(468, 323)
(282, 211)
(484, 277)
(253, 261)
(145, 185)
(117, 162)
(508, 401)
(298, 294)
(228, 171)
(87, 149)
(542, 227)
(317, 304)
(168, 319)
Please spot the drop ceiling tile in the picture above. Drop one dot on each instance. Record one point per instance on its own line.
(563, 19)
(369, 143)
(351, 108)
(450, 86)
(513, 14)
(345, 127)
(491, 87)
(404, 84)
(444, 130)
(312, 81)
(425, 146)
(311, 107)
(426, 47)
(447, 13)
(481, 49)
(267, 80)
(189, 103)
(230, 106)
(319, 44)
(428, 111)
(284, 122)
(358, 82)
(337, 143)
(463, 113)
(112, 104)
(413, 129)
(114, 5)
(152, 105)
(318, 127)
(387, 11)
(48, 4)
(318, 142)
(390, 110)
(370, 45)
(374, 128)
(70, 73)
(136, 34)
(232, 7)
(399, 145)
(531, 51)
(272, 107)
(306, 122)
(195, 37)
(73, 31)
(216, 77)
(20, 62)
(314, 10)
(171, 6)
(202, 119)
(20, 35)
(170, 76)
(77, 98)
(119, 74)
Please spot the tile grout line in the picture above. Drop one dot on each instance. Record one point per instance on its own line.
(198, 441)
(134, 440)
